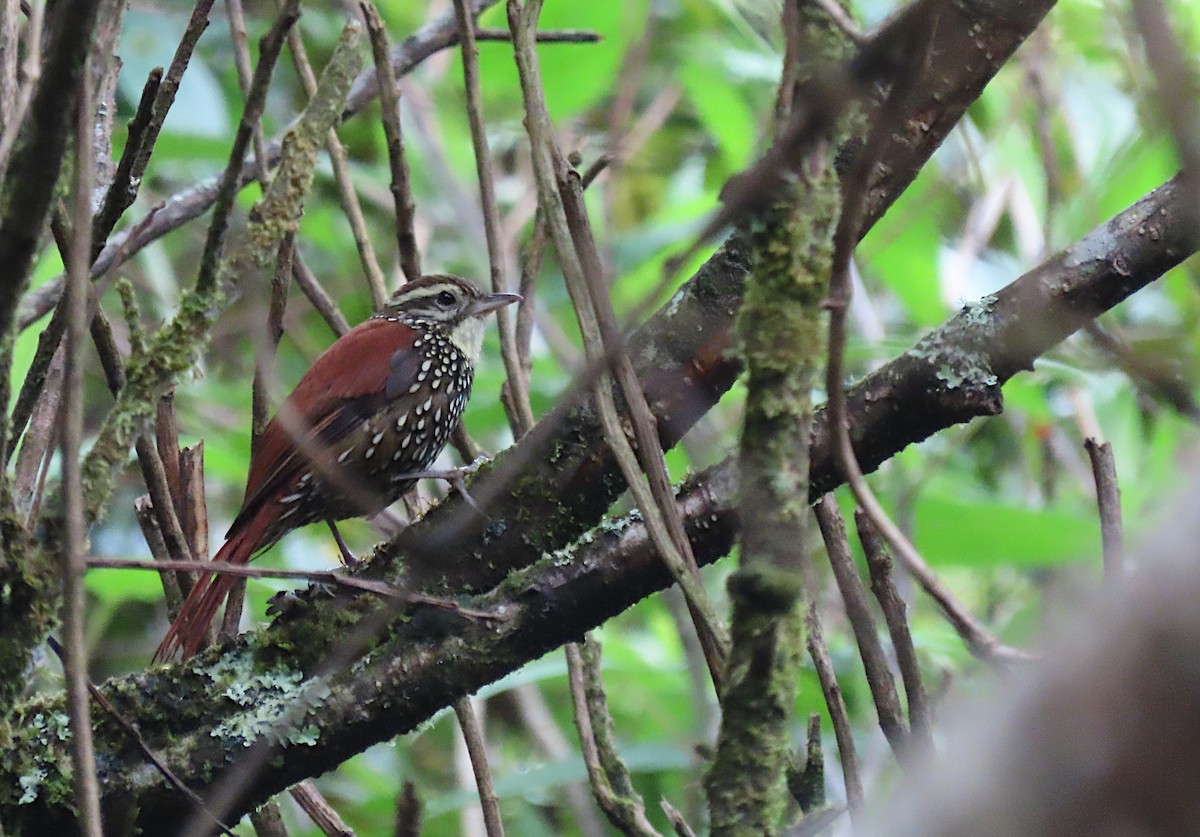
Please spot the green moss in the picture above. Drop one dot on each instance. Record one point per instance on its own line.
(29, 602)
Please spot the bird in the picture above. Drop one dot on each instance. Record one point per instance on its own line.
(371, 414)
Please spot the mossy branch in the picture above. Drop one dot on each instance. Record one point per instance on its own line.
(781, 336)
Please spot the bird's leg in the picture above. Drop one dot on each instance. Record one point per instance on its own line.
(456, 477)
(347, 556)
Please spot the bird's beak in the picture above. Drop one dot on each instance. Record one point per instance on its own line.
(487, 304)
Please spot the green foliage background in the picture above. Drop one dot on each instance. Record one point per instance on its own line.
(1002, 507)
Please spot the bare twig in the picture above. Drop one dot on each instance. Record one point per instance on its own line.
(143, 509)
(546, 36)
(265, 349)
(472, 732)
(851, 772)
(517, 389)
(37, 445)
(408, 812)
(145, 127)
(559, 196)
(893, 607)
(607, 774)
(241, 61)
(979, 640)
(1178, 88)
(874, 658)
(328, 577)
(682, 829)
(256, 97)
(389, 100)
(31, 69)
(340, 163)
(1108, 499)
(74, 599)
(319, 810)
(268, 821)
(320, 299)
(10, 54)
(33, 168)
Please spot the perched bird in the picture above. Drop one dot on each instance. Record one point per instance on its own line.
(377, 406)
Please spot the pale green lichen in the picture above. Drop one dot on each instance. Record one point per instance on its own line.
(46, 731)
(275, 702)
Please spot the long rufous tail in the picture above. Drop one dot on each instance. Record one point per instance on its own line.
(189, 631)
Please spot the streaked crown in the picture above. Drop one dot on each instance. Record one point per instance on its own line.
(444, 302)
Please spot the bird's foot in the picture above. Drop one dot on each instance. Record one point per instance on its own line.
(348, 558)
(456, 477)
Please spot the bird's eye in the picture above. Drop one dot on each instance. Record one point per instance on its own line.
(445, 299)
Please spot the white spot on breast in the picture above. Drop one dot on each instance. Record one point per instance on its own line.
(342, 456)
(377, 438)
(407, 439)
(370, 452)
(421, 424)
(400, 421)
(428, 403)
(437, 382)
(291, 498)
(414, 388)
(425, 365)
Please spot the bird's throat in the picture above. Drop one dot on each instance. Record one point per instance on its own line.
(468, 337)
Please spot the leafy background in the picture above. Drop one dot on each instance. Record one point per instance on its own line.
(1066, 135)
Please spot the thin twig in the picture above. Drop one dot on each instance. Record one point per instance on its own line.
(517, 390)
(401, 185)
(874, 658)
(319, 810)
(143, 510)
(340, 163)
(559, 195)
(879, 562)
(408, 812)
(241, 61)
(607, 774)
(980, 641)
(31, 70)
(265, 349)
(320, 299)
(268, 53)
(545, 36)
(268, 821)
(34, 166)
(328, 577)
(1108, 499)
(682, 829)
(834, 702)
(74, 598)
(472, 732)
(1178, 88)
(38, 443)
(144, 129)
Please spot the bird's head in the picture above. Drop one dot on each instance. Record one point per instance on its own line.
(447, 303)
